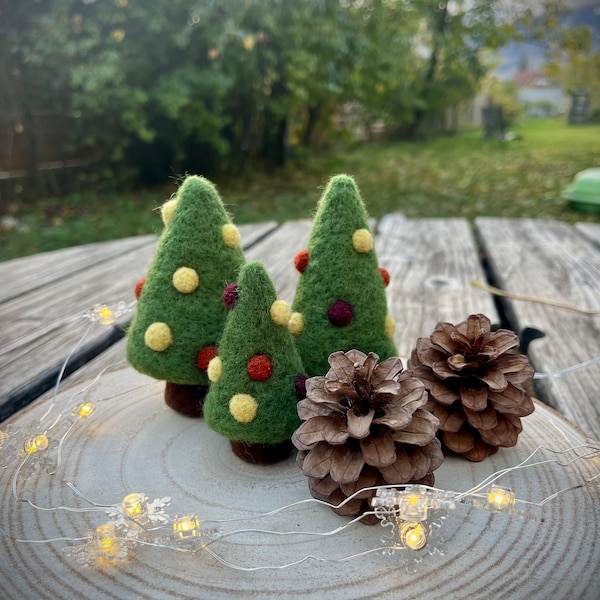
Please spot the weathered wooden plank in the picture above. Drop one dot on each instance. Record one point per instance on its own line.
(23, 275)
(591, 231)
(277, 253)
(548, 259)
(432, 263)
(41, 327)
(134, 443)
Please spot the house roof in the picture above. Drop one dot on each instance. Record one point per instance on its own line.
(533, 79)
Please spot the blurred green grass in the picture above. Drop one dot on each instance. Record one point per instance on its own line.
(459, 176)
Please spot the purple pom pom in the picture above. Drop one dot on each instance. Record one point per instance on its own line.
(340, 313)
(230, 295)
(300, 384)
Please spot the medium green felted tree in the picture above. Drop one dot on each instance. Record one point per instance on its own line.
(340, 301)
(180, 313)
(258, 377)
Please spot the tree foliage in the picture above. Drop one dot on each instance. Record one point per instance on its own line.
(173, 85)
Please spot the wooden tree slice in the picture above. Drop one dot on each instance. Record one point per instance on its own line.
(134, 443)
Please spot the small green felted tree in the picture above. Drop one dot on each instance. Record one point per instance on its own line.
(180, 313)
(257, 379)
(340, 301)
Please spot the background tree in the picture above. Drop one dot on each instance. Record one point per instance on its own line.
(168, 86)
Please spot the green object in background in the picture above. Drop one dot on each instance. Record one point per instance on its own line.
(584, 192)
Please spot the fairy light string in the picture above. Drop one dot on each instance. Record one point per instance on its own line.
(410, 515)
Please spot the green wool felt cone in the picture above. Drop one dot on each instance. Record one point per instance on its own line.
(252, 397)
(180, 313)
(340, 301)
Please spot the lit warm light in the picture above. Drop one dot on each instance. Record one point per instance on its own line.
(84, 410)
(413, 535)
(35, 443)
(186, 526)
(413, 507)
(134, 505)
(106, 315)
(106, 539)
(501, 498)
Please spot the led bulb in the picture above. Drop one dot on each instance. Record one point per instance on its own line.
(84, 410)
(186, 526)
(134, 505)
(413, 506)
(501, 498)
(35, 443)
(413, 535)
(105, 314)
(105, 538)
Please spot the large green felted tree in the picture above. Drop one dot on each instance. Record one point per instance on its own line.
(258, 377)
(340, 301)
(180, 313)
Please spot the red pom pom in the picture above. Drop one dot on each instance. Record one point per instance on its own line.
(340, 313)
(205, 356)
(230, 295)
(300, 385)
(260, 367)
(301, 261)
(138, 287)
(385, 274)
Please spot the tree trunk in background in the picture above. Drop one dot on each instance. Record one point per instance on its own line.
(439, 25)
(313, 115)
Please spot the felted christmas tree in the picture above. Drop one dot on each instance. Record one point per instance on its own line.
(258, 377)
(180, 313)
(340, 301)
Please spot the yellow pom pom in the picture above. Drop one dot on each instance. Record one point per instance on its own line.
(362, 240)
(158, 337)
(186, 280)
(390, 326)
(167, 210)
(243, 408)
(296, 323)
(280, 312)
(215, 369)
(230, 234)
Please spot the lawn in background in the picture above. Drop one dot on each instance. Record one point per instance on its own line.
(458, 176)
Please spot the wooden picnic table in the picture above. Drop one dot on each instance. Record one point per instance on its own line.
(45, 302)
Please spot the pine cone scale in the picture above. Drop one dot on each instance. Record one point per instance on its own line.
(346, 464)
(379, 451)
(475, 399)
(317, 462)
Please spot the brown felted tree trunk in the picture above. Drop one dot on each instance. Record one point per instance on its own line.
(262, 454)
(186, 399)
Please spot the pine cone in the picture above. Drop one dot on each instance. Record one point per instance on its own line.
(364, 425)
(475, 384)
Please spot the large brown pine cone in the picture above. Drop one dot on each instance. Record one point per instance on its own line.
(364, 425)
(475, 383)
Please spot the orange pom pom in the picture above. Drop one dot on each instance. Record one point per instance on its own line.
(260, 367)
(138, 287)
(301, 261)
(205, 356)
(385, 274)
